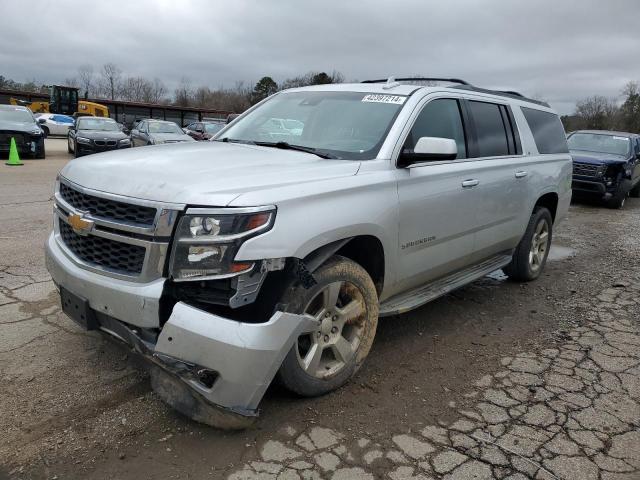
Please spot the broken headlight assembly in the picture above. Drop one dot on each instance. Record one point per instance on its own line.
(207, 240)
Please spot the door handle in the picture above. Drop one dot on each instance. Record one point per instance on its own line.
(521, 174)
(470, 183)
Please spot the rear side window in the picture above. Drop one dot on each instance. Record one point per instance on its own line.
(439, 118)
(491, 131)
(547, 130)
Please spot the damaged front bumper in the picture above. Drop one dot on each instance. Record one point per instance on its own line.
(227, 365)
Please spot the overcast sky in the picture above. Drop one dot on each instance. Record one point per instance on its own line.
(559, 50)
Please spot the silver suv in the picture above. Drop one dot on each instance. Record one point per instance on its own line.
(272, 252)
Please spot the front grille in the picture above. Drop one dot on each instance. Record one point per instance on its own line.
(5, 139)
(103, 252)
(108, 209)
(108, 143)
(586, 169)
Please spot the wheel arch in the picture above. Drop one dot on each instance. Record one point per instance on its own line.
(365, 250)
(548, 200)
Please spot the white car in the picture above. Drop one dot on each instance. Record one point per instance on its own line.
(55, 124)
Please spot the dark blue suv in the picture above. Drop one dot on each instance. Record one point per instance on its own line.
(605, 164)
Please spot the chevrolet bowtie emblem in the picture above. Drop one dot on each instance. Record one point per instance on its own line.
(80, 225)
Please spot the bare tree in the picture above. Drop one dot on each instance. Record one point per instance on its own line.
(71, 82)
(111, 79)
(597, 112)
(157, 91)
(184, 93)
(630, 109)
(85, 74)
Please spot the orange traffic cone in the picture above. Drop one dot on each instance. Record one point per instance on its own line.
(14, 158)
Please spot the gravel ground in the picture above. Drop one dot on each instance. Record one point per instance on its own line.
(497, 380)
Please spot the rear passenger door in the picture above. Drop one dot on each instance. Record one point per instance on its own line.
(437, 210)
(502, 180)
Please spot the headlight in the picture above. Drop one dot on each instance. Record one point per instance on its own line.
(36, 131)
(83, 140)
(124, 141)
(207, 241)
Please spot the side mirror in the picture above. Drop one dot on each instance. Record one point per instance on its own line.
(42, 121)
(430, 149)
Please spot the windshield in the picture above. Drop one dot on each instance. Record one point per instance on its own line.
(597, 142)
(18, 115)
(213, 127)
(161, 127)
(348, 125)
(98, 125)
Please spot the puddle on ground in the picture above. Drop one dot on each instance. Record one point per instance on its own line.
(558, 252)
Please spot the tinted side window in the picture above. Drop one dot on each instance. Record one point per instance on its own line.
(490, 129)
(439, 118)
(547, 130)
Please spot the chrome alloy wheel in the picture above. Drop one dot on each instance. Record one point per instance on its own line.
(539, 245)
(339, 310)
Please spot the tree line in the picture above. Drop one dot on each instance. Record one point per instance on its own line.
(109, 82)
(602, 113)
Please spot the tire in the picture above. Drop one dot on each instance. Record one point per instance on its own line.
(618, 199)
(69, 146)
(335, 352)
(76, 154)
(40, 152)
(526, 265)
(45, 130)
(635, 191)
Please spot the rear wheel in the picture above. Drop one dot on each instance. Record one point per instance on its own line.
(531, 253)
(344, 304)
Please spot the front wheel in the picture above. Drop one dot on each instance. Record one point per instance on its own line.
(40, 151)
(618, 199)
(344, 305)
(531, 253)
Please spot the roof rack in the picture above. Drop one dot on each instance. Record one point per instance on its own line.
(462, 85)
(417, 79)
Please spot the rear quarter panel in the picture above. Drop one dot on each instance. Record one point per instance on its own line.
(548, 173)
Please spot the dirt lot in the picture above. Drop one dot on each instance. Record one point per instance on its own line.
(497, 380)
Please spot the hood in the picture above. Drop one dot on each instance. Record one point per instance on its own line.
(596, 158)
(170, 137)
(26, 127)
(201, 173)
(101, 135)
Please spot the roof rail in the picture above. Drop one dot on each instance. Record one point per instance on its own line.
(417, 79)
(463, 85)
(502, 93)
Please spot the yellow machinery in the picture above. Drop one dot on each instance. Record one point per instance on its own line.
(64, 100)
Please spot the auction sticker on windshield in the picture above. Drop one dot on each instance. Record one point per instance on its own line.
(377, 98)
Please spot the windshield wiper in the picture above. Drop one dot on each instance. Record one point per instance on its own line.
(299, 148)
(233, 140)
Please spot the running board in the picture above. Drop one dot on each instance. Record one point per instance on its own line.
(425, 293)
